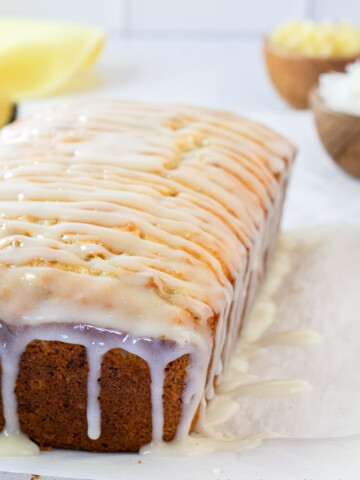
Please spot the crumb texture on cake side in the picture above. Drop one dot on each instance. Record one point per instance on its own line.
(133, 240)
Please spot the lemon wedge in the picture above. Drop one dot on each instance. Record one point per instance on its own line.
(39, 57)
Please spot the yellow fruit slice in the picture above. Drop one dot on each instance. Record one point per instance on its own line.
(7, 110)
(37, 58)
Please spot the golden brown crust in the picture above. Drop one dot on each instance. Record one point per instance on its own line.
(52, 396)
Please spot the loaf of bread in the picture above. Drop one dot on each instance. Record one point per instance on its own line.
(133, 240)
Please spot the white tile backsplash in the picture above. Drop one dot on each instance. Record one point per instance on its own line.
(108, 14)
(337, 10)
(212, 16)
(182, 17)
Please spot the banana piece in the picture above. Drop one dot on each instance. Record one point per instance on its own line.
(7, 110)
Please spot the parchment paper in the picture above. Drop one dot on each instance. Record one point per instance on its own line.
(322, 294)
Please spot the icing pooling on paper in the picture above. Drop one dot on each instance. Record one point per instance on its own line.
(209, 435)
(138, 219)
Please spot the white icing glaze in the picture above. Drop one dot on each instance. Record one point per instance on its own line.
(273, 387)
(193, 445)
(135, 222)
(16, 444)
(291, 337)
(94, 355)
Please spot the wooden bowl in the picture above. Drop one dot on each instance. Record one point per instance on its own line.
(339, 133)
(293, 75)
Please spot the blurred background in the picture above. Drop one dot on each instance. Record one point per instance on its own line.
(196, 51)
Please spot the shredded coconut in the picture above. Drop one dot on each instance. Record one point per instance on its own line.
(341, 91)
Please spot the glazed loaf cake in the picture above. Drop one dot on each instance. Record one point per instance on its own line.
(133, 240)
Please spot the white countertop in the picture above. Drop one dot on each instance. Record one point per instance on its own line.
(225, 74)
(222, 74)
